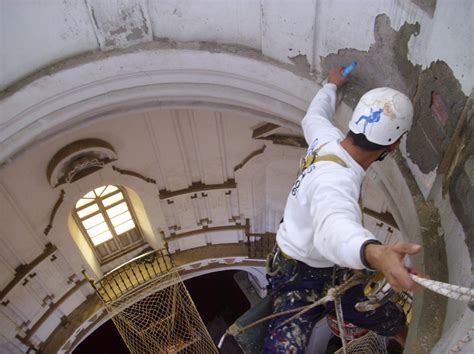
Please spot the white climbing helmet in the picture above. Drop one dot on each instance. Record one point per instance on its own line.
(383, 115)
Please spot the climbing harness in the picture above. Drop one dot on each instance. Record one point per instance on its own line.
(379, 291)
(314, 157)
(235, 329)
(449, 290)
(311, 159)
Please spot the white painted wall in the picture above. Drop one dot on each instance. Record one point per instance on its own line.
(279, 29)
(35, 34)
(448, 36)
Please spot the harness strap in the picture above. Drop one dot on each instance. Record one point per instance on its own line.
(314, 157)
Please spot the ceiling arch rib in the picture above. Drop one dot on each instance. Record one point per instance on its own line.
(145, 80)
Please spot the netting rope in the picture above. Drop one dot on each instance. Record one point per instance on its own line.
(160, 317)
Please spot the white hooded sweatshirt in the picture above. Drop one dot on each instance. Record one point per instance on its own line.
(322, 220)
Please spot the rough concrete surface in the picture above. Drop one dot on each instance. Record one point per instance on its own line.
(384, 64)
(429, 308)
(438, 104)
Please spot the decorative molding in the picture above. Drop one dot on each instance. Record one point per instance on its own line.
(287, 140)
(133, 174)
(82, 164)
(51, 310)
(260, 133)
(249, 157)
(249, 85)
(197, 187)
(23, 270)
(263, 129)
(53, 212)
(84, 332)
(386, 217)
(78, 159)
(215, 264)
(205, 229)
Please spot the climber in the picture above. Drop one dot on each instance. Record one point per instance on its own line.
(321, 237)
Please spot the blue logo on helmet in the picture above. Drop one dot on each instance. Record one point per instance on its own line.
(374, 117)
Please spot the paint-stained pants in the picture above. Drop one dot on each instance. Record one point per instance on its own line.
(298, 285)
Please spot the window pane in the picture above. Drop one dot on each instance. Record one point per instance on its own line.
(97, 240)
(98, 191)
(109, 190)
(124, 227)
(87, 211)
(89, 195)
(83, 202)
(112, 199)
(96, 230)
(120, 219)
(116, 210)
(92, 221)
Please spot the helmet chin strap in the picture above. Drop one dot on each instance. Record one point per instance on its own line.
(383, 155)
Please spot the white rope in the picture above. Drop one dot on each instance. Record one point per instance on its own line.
(452, 291)
(340, 323)
(222, 340)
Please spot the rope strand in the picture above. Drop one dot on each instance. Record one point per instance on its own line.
(452, 291)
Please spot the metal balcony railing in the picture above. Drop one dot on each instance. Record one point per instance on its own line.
(146, 267)
(132, 274)
(260, 245)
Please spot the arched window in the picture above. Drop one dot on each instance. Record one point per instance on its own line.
(106, 218)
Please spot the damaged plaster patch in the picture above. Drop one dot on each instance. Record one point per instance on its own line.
(121, 26)
(438, 104)
(301, 62)
(384, 64)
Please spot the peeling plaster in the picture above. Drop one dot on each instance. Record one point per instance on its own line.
(125, 26)
(384, 64)
(301, 62)
(438, 104)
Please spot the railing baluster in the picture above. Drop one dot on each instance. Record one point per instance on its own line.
(140, 271)
(146, 269)
(127, 268)
(121, 278)
(118, 287)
